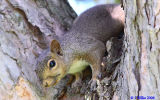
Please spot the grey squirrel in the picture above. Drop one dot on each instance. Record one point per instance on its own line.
(83, 45)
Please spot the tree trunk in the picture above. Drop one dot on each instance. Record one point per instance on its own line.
(28, 26)
(140, 64)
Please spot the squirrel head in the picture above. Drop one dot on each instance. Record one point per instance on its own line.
(53, 68)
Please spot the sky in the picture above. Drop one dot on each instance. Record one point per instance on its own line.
(81, 5)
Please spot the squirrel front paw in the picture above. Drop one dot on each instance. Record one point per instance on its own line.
(77, 83)
(93, 84)
(76, 86)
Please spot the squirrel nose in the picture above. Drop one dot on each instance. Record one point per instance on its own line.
(45, 84)
(48, 82)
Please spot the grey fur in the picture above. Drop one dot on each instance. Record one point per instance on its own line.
(91, 30)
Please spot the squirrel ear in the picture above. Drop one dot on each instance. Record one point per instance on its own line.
(55, 47)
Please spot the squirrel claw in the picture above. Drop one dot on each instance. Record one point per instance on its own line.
(99, 76)
(93, 85)
(76, 84)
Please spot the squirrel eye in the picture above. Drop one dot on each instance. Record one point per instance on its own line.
(52, 64)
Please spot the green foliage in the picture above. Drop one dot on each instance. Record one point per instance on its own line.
(117, 1)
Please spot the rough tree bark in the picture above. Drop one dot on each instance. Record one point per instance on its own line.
(28, 26)
(140, 64)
